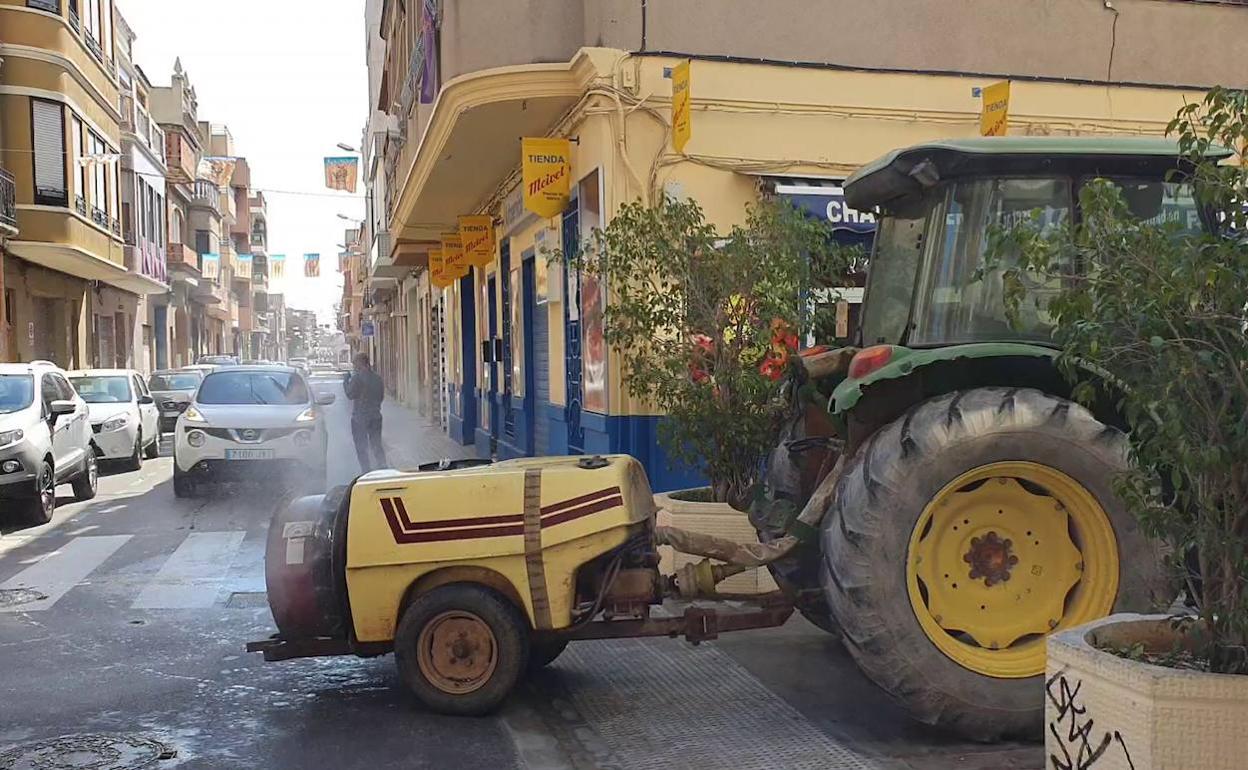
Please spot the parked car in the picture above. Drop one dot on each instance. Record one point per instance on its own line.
(45, 440)
(172, 390)
(203, 369)
(124, 417)
(251, 422)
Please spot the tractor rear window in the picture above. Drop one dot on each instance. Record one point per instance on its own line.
(952, 304)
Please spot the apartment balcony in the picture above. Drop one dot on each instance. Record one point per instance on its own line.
(215, 297)
(137, 122)
(183, 259)
(79, 240)
(206, 195)
(180, 157)
(229, 210)
(149, 273)
(8, 204)
(259, 241)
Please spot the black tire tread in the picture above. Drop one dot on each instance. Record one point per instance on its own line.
(82, 482)
(859, 536)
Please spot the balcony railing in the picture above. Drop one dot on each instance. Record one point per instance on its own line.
(100, 217)
(8, 200)
(183, 256)
(51, 6)
(206, 194)
(80, 205)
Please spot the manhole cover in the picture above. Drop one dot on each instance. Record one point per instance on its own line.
(11, 597)
(247, 600)
(87, 752)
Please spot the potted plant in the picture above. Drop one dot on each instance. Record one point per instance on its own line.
(1159, 308)
(704, 324)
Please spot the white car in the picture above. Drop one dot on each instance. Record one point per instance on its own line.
(124, 416)
(45, 440)
(251, 422)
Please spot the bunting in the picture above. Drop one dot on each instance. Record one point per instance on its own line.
(342, 173)
(243, 267)
(277, 266)
(312, 265)
(210, 266)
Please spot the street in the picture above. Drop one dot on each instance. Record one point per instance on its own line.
(127, 615)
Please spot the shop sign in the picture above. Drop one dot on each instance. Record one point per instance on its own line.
(829, 203)
(368, 328)
(477, 234)
(682, 117)
(547, 174)
(995, 113)
(453, 256)
(437, 269)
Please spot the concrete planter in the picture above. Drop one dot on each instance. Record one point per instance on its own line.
(719, 519)
(1110, 713)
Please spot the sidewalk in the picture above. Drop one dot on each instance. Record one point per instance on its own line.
(412, 439)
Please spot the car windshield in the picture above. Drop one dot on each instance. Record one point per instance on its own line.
(174, 381)
(253, 388)
(17, 391)
(111, 389)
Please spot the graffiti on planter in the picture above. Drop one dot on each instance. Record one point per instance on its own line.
(1073, 728)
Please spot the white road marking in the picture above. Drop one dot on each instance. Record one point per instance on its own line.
(62, 569)
(193, 575)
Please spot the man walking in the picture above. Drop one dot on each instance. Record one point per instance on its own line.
(366, 390)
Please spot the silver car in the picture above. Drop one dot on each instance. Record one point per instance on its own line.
(45, 440)
(172, 389)
(251, 422)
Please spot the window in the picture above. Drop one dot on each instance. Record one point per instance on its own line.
(48, 392)
(177, 381)
(64, 389)
(79, 150)
(140, 388)
(203, 243)
(898, 248)
(51, 6)
(953, 303)
(103, 390)
(16, 392)
(48, 128)
(260, 387)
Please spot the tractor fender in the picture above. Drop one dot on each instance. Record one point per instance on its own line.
(905, 361)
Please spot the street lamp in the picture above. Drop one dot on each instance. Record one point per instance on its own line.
(351, 219)
(347, 147)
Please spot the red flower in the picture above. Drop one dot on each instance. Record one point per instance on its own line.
(772, 367)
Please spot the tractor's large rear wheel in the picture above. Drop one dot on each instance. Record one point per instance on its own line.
(964, 532)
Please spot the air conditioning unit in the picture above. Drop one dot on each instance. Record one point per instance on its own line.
(383, 246)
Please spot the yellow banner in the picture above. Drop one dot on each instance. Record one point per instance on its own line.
(477, 234)
(682, 116)
(437, 269)
(994, 119)
(453, 256)
(547, 166)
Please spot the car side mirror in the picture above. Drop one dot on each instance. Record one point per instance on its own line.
(59, 408)
(325, 399)
(146, 400)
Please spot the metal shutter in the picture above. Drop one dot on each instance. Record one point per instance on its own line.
(49, 131)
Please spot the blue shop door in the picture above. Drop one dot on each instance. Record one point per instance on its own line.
(528, 404)
(571, 235)
(495, 410)
(504, 273)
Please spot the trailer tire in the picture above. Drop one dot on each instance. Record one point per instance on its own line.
(913, 481)
(461, 649)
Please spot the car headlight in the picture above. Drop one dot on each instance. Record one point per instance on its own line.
(11, 437)
(115, 423)
(196, 438)
(307, 415)
(193, 415)
(10, 466)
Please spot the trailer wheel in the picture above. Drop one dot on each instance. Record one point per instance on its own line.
(964, 532)
(461, 648)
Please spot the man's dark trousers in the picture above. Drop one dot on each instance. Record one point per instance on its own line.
(366, 432)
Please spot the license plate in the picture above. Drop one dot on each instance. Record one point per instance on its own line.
(170, 414)
(249, 454)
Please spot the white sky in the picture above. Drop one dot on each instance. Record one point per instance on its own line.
(290, 80)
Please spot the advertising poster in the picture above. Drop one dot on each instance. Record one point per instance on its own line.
(593, 306)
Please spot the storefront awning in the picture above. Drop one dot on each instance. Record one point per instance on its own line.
(823, 199)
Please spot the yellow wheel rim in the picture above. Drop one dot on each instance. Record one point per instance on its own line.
(1003, 555)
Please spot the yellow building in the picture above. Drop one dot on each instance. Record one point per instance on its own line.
(73, 298)
(515, 355)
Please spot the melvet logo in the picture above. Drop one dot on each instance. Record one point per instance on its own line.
(546, 180)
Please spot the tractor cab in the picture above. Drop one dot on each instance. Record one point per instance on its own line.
(941, 201)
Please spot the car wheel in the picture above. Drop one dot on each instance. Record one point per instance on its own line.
(182, 486)
(135, 461)
(39, 508)
(152, 450)
(88, 480)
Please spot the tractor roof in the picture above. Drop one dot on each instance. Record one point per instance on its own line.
(907, 171)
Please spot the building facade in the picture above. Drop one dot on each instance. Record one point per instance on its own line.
(788, 99)
(71, 296)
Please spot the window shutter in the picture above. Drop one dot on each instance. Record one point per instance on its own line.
(49, 132)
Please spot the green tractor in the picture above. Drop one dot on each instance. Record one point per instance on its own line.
(954, 505)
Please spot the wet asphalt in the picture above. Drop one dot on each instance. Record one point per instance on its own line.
(148, 642)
